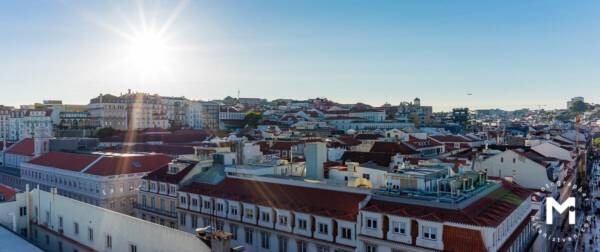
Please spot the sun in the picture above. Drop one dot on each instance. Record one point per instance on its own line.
(148, 51)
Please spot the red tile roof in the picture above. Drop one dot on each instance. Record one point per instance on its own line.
(116, 165)
(321, 202)
(65, 160)
(163, 175)
(7, 192)
(283, 145)
(462, 239)
(392, 147)
(25, 147)
(488, 211)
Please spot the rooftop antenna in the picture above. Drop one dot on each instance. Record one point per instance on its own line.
(238, 94)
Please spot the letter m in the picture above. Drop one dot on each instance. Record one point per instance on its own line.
(560, 208)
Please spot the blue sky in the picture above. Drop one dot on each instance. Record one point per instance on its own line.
(508, 54)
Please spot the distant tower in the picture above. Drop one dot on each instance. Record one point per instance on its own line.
(41, 141)
(417, 102)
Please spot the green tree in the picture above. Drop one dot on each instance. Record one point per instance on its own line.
(252, 118)
(597, 142)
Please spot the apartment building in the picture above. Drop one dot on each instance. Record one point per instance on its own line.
(102, 179)
(157, 195)
(110, 111)
(22, 123)
(203, 115)
(268, 216)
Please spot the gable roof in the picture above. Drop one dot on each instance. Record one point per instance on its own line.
(8, 193)
(317, 201)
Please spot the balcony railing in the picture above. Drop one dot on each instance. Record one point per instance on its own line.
(156, 210)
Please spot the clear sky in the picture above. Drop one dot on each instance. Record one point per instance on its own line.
(508, 54)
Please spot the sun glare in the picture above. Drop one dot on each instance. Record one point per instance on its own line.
(148, 51)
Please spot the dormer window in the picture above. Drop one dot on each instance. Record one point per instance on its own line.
(220, 207)
(183, 200)
(323, 228)
(233, 210)
(194, 202)
(429, 233)
(265, 217)
(206, 204)
(372, 223)
(399, 227)
(249, 213)
(302, 224)
(282, 219)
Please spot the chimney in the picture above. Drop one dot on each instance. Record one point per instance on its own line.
(316, 155)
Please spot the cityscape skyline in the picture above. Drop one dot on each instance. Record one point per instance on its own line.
(501, 53)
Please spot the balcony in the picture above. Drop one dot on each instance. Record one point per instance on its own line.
(155, 210)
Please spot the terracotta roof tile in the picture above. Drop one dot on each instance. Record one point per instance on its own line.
(65, 160)
(25, 147)
(117, 165)
(321, 202)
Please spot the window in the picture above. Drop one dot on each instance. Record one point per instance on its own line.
(182, 219)
(90, 234)
(206, 204)
(162, 204)
(370, 248)
(76, 228)
(219, 224)
(347, 233)
(302, 224)
(194, 221)
(233, 229)
(22, 211)
(282, 244)
(249, 213)
(514, 160)
(132, 248)
(265, 217)
(60, 222)
(194, 202)
(233, 210)
(152, 202)
(108, 241)
(502, 160)
(182, 200)
(60, 246)
(371, 223)
(144, 203)
(264, 240)
(366, 176)
(429, 233)
(220, 207)
(323, 228)
(283, 220)
(301, 246)
(398, 227)
(248, 232)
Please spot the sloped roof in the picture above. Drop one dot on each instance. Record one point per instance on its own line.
(25, 147)
(393, 147)
(65, 160)
(117, 165)
(7, 192)
(163, 175)
(380, 158)
(321, 202)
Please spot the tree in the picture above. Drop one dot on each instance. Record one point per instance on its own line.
(597, 142)
(252, 118)
(105, 132)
